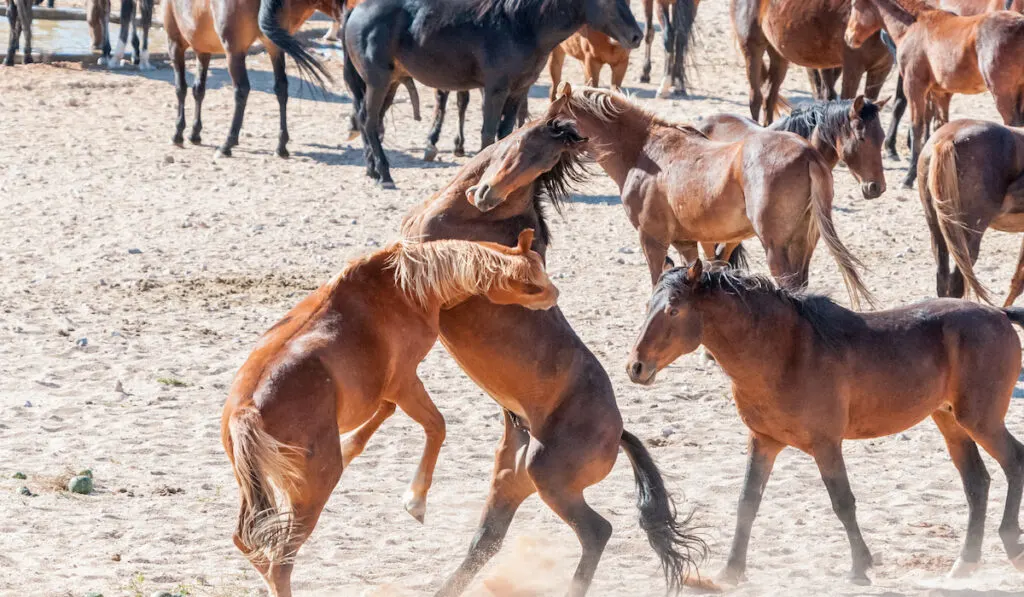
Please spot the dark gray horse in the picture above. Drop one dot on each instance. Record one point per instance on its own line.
(19, 18)
(498, 45)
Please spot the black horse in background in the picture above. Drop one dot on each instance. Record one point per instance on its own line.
(457, 45)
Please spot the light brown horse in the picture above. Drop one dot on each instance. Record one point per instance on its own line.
(231, 27)
(680, 188)
(808, 373)
(594, 49)
(971, 177)
(847, 130)
(563, 429)
(807, 33)
(941, 53)
(340, 361)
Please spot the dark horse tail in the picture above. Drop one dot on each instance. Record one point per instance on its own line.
(673, 540)
(684, 37)
(309, 65)
(738, 259)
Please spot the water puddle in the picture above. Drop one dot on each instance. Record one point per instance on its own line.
(72, 37)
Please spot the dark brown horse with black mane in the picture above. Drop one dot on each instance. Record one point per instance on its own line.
(563, 429)
(498, 45)
(810, 374)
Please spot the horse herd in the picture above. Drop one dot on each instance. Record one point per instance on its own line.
(806, 372)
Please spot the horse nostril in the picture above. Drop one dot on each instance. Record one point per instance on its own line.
(872, 189)
(635, 39)
(636, 369)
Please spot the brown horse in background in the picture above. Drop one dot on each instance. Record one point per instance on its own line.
(941, 53)
(231, 27)
(311, 378)
(808, 33)
(680, 188)
(971, 178)
(594, 49)
(808, 373)
(563, 429)
(676, 18)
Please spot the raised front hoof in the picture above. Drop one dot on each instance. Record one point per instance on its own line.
(387, 185)
(430, 153)
(416, 507)
(859, 578)
(962, 569)
(222, 152)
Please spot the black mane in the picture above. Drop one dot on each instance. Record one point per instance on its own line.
(831, 322)
(516, 15)
(556, 186)
(831, 119)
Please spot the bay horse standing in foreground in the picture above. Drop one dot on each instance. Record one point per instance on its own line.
(971, 178)
(941, 53)
(808, 33)
(498, 45)
(340, 361)
(677, 18)
(680, 188)
(217, 27)
(563, 429)
(808, 373)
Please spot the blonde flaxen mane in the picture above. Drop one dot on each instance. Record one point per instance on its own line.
(453, 269)
(608, 106)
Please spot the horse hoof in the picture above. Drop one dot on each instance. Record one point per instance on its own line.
(1018, 562)
(908, 184)
(417, 507)
(387, 185)
(178, 140)
(962, 569)
(729, 577)
(101, 61)
(892, 155)
(282, 152)
(222, 152)
(353, 135)
(859, 578)
(195, 139)
(28, 59)
(8, 62)
(430, 153)
(645, 78)
(459, 152)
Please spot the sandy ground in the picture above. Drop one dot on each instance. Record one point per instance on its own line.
(129, 265)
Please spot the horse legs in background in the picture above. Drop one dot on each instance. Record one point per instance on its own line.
(898, 108)
(777, 67)
(176, 50)
(462, 100)
(281, 91)
(645, 75)
(414, 97)
(1017, 284)
(666, 18)
(141, 58)
(440, 105)
(198, 93)
(19, 19)
(240, 78)
(127, 16)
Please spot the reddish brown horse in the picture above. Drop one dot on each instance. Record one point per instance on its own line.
(971, 178)
(594, 49)
(680, 188)
(847, 130)
(231, 27)
(808, 33)
(311, 378)
(808, 373)
(563, 429)
(941, 53)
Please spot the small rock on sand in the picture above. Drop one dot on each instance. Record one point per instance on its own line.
(25, 491)
(80, 484)
(19, 476)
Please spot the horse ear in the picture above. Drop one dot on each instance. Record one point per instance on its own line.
(525, 240)
(669, 264)
(882, 103)
(858, 105)
(565, 89)
(694, 272)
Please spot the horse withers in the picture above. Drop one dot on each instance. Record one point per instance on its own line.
(810, 374)
(310, 379)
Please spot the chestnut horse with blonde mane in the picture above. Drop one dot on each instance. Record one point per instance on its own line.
(563, 429)
(810, 374)
(680, 188)
(941, 53)
(340, 361)
(971, 178)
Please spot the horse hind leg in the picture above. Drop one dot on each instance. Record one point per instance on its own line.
(198, 93)
(146, 12)
(25, 19)
(645, 75)
(964, 452)
(12, 24)
(440, 106)
(127, 16)
(176, 49)
(281, 91)
(240, 77)
(462, 102)
(510, 485)
(414, 400)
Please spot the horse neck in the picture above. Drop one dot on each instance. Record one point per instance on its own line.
(373, 280)
(619, 142)
(557, 22)
(899, 15)
(827, 150)
(751, 335)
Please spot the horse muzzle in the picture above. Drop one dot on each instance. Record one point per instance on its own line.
(483, 197)
(872, 190)
(641, 372)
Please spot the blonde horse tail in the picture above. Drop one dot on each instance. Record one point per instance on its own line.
(944, 187)
(823, 227)
(264, 470)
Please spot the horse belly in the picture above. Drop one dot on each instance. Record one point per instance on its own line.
(887, 402)
(810, 36)
(960, 75)
(463, 63)
(1010, 222)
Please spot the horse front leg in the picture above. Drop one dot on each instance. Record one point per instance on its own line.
(829, 458)
(281, 91)
(240, 77)
(146, 12)
(655, 253)
(12, 25)
(440, 105)
(645, 75)
(198, 93)
(899, 106)
(127, 15)
(25, 18)
(494, 105)
(462, 101)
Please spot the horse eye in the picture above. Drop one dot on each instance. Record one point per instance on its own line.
(673, 312)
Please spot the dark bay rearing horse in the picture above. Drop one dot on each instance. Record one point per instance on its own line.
(808, 373)
(231, 27)
(676, 18)
(679, 188)
(941, 53)
(847, 130)
(498, 45)
(808, 33)
(971, 178)
(310, 379)
(563, 429)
